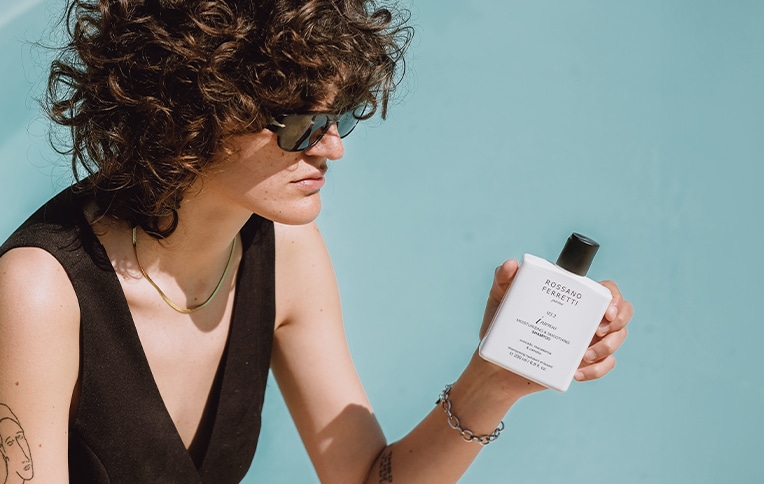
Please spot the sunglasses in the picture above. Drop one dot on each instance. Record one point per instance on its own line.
(298, 132)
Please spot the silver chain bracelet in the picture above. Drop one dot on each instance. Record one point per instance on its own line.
(453, 421)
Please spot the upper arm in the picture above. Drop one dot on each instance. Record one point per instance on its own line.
(39, 361)
(312, 362)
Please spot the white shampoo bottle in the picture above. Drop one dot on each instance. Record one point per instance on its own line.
(548, 317)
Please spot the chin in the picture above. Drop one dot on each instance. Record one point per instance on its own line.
(302, 214)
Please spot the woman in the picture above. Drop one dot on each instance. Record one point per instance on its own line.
(141, 309)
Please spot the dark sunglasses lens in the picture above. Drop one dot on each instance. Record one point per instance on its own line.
(298, 132)
(321, 124)
(346, 123)
(294, 131)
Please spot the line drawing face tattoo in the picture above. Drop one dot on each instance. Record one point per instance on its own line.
(14, 448)
(386, 467)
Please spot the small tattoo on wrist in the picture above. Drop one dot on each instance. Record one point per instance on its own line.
(386, 467)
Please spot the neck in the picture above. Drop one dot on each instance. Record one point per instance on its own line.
(189, 264)
(166, 298)
(202, 238)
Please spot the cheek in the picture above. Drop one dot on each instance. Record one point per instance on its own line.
(257, 188)
(250, 178)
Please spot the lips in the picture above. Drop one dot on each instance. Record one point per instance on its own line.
(312, 179)
(310, 183)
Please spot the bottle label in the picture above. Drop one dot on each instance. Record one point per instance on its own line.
(535, 349)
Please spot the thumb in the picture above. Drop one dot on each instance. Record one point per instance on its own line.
(502, 280)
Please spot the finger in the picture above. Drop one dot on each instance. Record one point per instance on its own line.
(618, 313)
(623, 317)
(615, 302)
(596, 370)
(503, 277)
(605, 347)
(506, 272)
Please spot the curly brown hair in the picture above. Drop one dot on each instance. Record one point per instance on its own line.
(151, 89)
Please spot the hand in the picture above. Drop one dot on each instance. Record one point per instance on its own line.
(513, 385)
(611, 333)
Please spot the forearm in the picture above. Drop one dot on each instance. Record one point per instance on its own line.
(435, 452)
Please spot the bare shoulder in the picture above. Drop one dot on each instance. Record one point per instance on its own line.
(39, 312)
(297, 240)
(32, 279)
(305, 281)
(39, 356)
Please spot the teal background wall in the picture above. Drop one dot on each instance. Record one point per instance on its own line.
(637, 123)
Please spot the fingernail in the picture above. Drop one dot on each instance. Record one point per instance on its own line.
(603, 329)
(579, 375)
(590, 356)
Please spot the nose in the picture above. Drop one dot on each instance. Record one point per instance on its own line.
(329, 146)
(24, 450)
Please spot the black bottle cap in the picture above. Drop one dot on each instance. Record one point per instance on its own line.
(578, 254)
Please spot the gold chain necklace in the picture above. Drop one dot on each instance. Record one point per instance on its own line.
(167, 299)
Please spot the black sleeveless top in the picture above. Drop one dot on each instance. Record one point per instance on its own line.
(122, 432)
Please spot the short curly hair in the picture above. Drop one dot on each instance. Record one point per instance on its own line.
(151, 89)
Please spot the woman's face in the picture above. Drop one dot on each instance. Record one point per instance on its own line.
(15, 450)
(261, 178)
